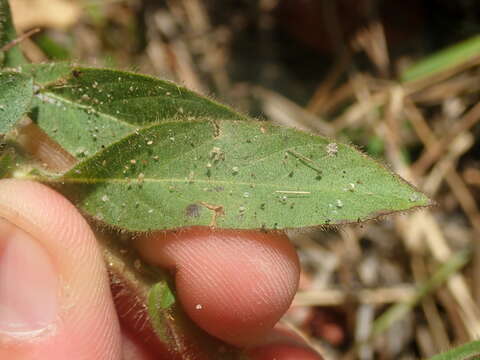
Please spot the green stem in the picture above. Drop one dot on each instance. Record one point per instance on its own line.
(13, 56)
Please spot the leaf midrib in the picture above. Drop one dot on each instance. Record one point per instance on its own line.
(134, 181)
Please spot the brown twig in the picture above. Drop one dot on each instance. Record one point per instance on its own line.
(19, 39)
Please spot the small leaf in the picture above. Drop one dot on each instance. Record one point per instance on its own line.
(160, 296)
(232, 174)
(85, 109)
(16, 91)
(160, 299)
(184, 339)
(13, 57)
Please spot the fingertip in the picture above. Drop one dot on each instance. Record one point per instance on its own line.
(283, 352)
(282, 344)
(71, 277)
(234, 284)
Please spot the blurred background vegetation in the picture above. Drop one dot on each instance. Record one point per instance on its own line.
(399, 79)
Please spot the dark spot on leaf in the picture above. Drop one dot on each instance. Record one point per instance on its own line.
(76, 73)
(219, 189)
(193, 210)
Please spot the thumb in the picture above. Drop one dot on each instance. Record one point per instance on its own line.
(54, 297)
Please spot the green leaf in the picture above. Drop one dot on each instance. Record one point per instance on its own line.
(86, 109)
(46, 73)
(160, 300)
(443, 60)
(232, 174)
(184, 339)
(13, 57)
(16, 91)
(160, 296)
(470, 351)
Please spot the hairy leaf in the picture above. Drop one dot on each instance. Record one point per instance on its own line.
(233, 174)
(86, 109)
(173, 327)
(16, 91)
(46, 73)
(160, 299)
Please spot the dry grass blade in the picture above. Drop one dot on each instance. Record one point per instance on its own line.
(432, 153)
(319, 103)
(285, 112)
(372, 40)
(397, 311)
(332, 297)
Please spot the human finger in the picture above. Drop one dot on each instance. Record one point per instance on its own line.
(55, 300)
(234, 284)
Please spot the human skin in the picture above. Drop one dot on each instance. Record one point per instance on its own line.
(55, 300)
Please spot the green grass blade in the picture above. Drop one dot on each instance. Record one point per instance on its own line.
(397, 311)
(443, 60)
(469, 351)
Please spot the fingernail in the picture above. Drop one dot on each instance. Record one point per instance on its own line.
(28, 283)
